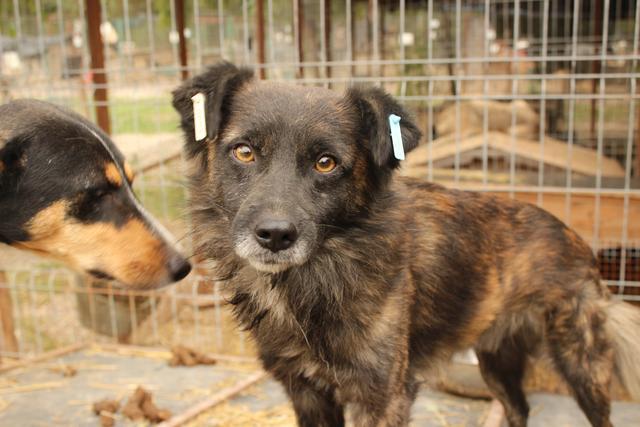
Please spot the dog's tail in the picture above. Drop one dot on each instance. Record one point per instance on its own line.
(624, 329)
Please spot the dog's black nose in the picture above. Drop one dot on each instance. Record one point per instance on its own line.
(179, 268)
(276, 235)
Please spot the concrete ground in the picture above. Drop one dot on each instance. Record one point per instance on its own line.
(562, 411)
(268, 401)
(39, 395)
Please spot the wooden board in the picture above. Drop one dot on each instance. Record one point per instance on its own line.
(8, 340)
(442, 152)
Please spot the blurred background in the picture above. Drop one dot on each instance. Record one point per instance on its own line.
(534, 99)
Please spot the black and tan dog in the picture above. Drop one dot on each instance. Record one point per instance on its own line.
(354, 282)
(65, 192)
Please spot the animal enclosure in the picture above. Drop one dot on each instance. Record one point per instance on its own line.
(535, 100)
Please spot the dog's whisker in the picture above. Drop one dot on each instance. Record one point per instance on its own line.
(336, 227)
(207, 208)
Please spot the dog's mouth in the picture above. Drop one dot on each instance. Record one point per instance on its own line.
(267, 261)
(101, 275)
(269, 266)
(270, 262)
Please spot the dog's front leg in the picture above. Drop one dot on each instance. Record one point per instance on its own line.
(390, 405)
(386, 408)
(314, 406)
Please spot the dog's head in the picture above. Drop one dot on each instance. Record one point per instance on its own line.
(65, 192)
(288, 165)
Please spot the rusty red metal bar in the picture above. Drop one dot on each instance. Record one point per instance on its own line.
(96, 50)
(182, 45)
(299, 26)
(327, 35)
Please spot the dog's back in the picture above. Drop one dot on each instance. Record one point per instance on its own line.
(487, 255)
(509, 278)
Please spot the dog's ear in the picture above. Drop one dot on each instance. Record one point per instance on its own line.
(218, 84)
(373, 106)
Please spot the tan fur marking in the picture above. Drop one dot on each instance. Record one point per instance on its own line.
(360, 178)
(48, 221)
(388, 317)
(487, 310)
(231, 133)
(4, 137)
(131, 253)
(113, 174)
(1, 166)
(443, 202)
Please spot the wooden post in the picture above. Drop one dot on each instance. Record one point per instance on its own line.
(9, 341)
(182, 45)
(327, 40)
(96, 49)
(260, 36)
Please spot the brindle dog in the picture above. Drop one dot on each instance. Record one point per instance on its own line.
(353, 280)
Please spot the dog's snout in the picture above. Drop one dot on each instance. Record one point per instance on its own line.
(179, 267)
(276, 235)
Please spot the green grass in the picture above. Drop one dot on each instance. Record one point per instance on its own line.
(41, 281)
(131, 115)
(166, 203)
(34, 307)
(149, 115)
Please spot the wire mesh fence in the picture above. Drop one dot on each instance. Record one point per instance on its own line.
(535, 100)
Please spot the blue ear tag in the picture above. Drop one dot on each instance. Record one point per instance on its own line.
(396, 136)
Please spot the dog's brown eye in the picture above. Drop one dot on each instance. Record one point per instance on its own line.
(325, 164)
(244, 153)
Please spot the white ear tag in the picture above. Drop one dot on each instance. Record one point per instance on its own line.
(396, 136)
(199, 119)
